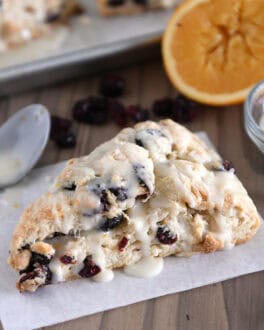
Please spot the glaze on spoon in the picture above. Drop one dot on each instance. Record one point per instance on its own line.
(23, 138)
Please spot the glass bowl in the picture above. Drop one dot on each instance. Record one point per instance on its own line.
(254, 115)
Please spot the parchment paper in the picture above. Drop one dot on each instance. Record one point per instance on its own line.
(61, 302)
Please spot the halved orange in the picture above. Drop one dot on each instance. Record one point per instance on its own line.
(213, 50)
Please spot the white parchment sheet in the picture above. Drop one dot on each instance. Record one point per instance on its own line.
(61, 302)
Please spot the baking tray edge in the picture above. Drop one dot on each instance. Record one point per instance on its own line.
(79, 63)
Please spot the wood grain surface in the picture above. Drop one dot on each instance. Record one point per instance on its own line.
(236, 304)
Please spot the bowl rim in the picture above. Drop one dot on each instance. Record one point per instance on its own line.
(248, 106)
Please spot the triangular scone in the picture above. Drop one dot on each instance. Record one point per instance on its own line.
(154, 190)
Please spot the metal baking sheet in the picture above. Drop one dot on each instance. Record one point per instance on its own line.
(91, 44)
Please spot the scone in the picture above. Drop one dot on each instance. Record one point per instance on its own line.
(24, 20)
(154, 190)
(124, 7)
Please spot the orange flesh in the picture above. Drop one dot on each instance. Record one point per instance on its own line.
(218, 46)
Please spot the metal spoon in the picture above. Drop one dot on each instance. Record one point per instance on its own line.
(23, 138)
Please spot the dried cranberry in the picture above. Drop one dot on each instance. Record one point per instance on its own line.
(141, 2)
(65, 140)
(48, 276)
(92, 110)
(39, 271)
(165, 236)
(120, 193)
(137, 114)
(41, 259)
(70, 187)
(122, 244)
(118, 113)
(140, 173)
(35, 261)
(139, 143)
(52, 17)
(90, 269)
(112, 223)
(112, 86)
(154, 132)
(163, 107)
(104, 201)
(114, 3)
(150, 131)
(25, 247)
(58, 125)
(28, 276)
(67, 260)
(228, 165)
(92, 212)
(58, 234)
(184, 110)
(101, 192)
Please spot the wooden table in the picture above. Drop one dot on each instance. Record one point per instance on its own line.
(236, 304)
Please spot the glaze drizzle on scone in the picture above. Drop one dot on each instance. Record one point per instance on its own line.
(25, 20)
(154, 190)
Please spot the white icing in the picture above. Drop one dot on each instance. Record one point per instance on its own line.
(10, 200)
(139, 219)
(158, 142)
(224, 231)
(94, 243)
(183, 174)
(10, 167)
(106, 275)
(57, 270)
(160, 201)
(146, 267)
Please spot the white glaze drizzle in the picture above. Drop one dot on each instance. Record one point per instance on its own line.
(146, 267)
(10, 166)
(106, 275)
(138, 217)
